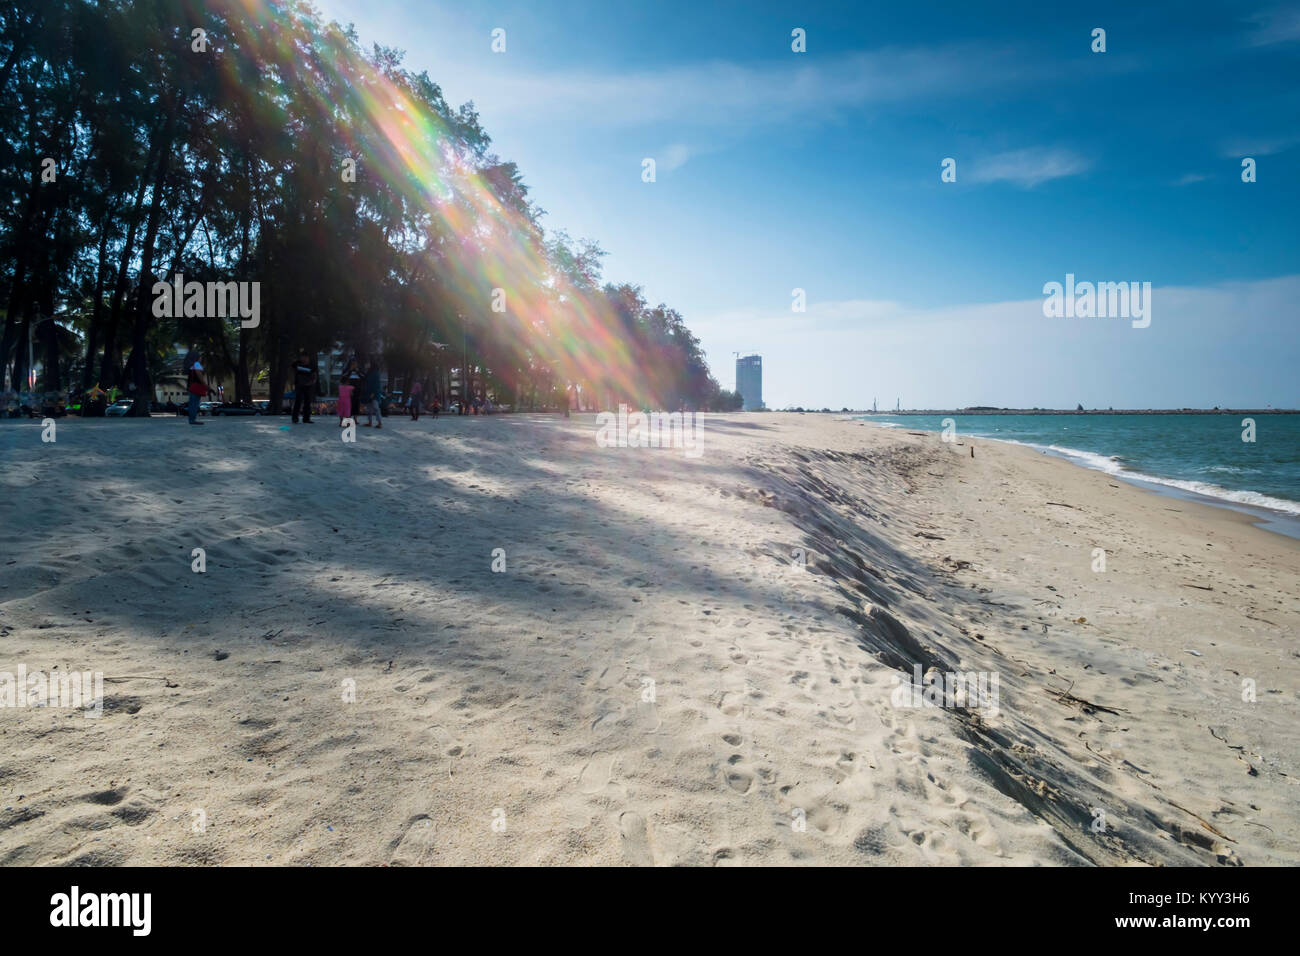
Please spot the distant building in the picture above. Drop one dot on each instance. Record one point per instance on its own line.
(749, 381)
(173, 384)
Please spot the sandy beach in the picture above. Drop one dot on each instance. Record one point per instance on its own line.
(676, 660)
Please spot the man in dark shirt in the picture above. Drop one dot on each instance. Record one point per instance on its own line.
(414, 400)
(352, 376)
(304, 381)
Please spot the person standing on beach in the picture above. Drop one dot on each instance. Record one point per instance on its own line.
(352, 376)
(372, 396)
(417, 392)
(196, 384)
(304, 379)
(347, 394)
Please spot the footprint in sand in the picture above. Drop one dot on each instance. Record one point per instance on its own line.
(609, 678)
(731, 704)
(648, 720)
(634, 834)
(607, 720)
(823, 818)
(134, 812)
(596, 774)
(846, 764)
(107, 798)
(940, 792)
(738, 778)
(874, 840)
(416, 842)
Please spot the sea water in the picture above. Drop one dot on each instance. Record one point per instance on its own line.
(1204, 457)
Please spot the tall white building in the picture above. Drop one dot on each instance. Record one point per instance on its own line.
(749, 381)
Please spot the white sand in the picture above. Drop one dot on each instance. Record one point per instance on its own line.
(521, 696)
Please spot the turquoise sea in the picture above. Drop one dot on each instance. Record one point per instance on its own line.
(1198, 456)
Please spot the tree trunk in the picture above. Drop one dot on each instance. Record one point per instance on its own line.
(7, 341)
(108, 367)
(279, 365)
(97, 310)
(18, 288)
(53, 375)
(21, 364)
(243, 389)
(143, 310)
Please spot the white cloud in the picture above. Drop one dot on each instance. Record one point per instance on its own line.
(1275, 25)
(1201, 349)
(1188, 302)
(1260, 146)
(726, 95)
(673, 157)
(820, 316)
(1029, 167)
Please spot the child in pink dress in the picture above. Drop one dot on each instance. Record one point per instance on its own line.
(345, 403)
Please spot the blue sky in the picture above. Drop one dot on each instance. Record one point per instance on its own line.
(821, 171)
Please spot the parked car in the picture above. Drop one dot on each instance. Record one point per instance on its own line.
(234, 408)
(205, 408)
(264, 405)
(119, 408)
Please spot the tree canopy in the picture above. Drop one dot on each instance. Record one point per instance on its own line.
(254, 142)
